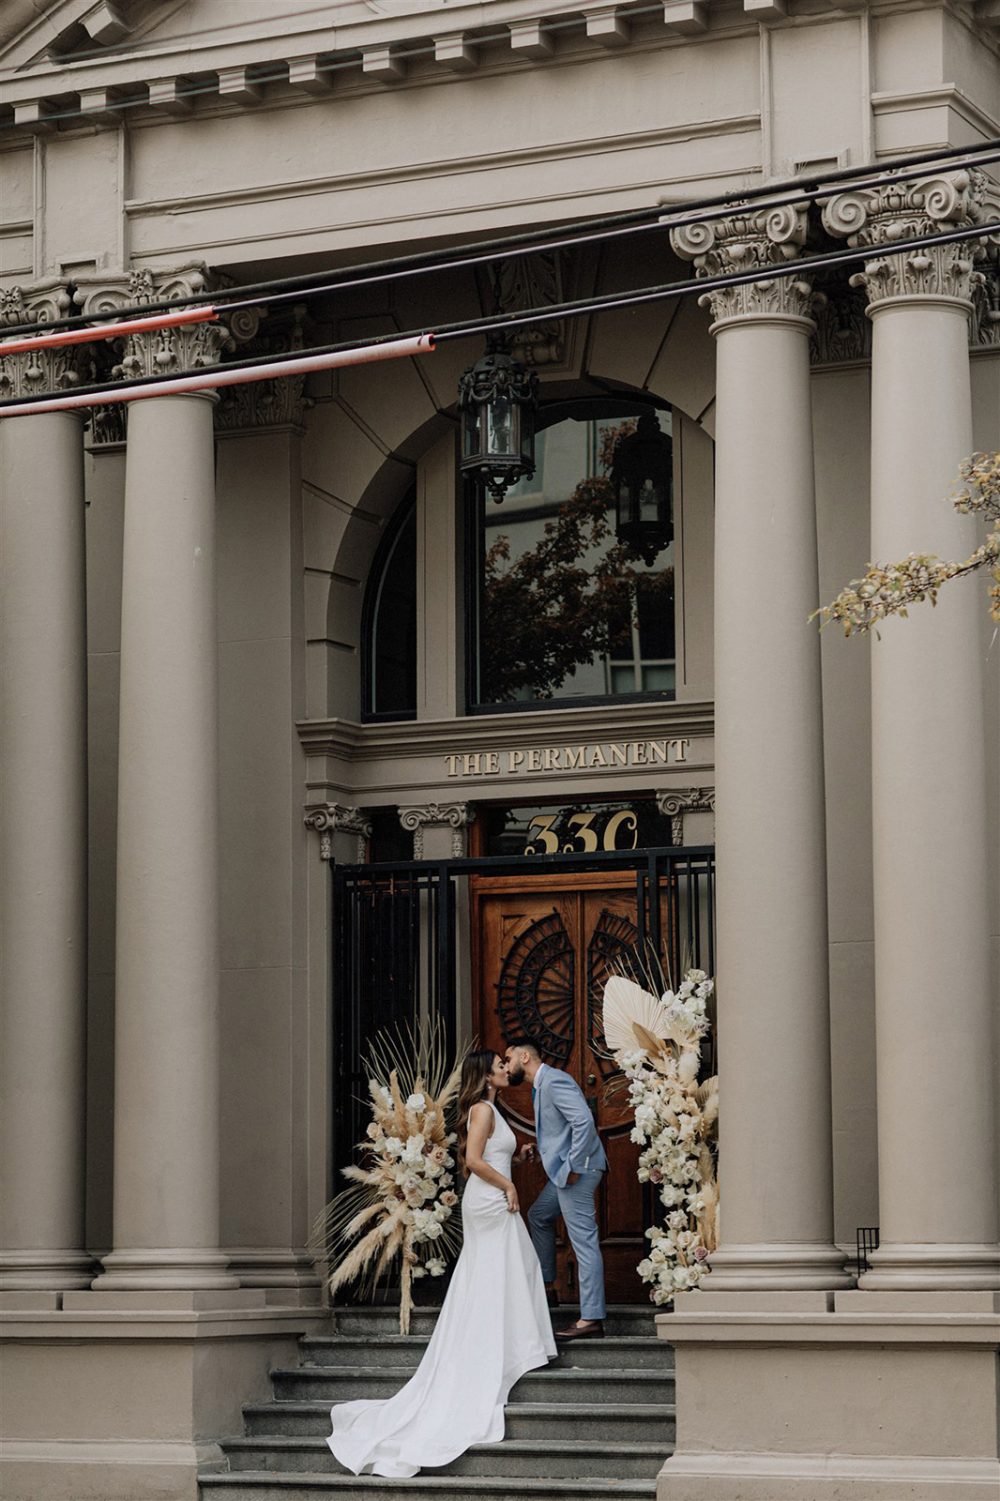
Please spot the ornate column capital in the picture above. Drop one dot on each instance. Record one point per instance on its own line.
(456, 816)
(880, 216)
(337, 818)
(166, 351)
(749, 240)
(40, 370)
(680, 800)
(265, 404)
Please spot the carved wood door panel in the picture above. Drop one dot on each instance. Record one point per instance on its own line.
(542, 949)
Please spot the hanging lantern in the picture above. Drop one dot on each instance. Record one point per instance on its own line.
(497, 400)
(642, 472)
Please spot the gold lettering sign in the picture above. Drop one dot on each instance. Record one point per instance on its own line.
(539, 760)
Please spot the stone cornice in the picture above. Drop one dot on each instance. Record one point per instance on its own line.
(351, 742)
(361, 49)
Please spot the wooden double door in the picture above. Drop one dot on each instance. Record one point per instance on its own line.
(542, 949)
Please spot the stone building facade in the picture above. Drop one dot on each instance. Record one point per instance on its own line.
(191, 740)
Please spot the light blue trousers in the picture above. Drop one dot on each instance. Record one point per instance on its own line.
(575, 1203)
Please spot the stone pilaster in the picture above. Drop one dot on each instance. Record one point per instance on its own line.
(929, 779)
(444, 823)
(166, 1199)
(776, 1165)
(43, 822)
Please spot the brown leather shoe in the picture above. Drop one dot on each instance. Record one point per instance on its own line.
(593, 1330)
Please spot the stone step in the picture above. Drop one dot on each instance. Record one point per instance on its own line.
(632, 1319)
(615, 1422)
(260, 1485)
(614, 1351)
(553, 1458)
(554, 1384)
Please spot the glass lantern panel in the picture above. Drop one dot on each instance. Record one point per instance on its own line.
(471, 433)
(500, 435)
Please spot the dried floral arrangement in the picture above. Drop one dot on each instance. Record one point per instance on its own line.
(888, 588)
(656, 1036)
(402, 1200)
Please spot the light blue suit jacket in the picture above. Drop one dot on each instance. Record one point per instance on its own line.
(567, 1136)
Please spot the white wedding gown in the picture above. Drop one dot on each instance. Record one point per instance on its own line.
(493, 1326)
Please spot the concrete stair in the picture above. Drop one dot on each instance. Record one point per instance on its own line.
(599, 1421)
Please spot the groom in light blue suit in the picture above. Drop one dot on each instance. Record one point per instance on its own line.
(574, 1160)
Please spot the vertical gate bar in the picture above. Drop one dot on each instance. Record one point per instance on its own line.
(653, 887)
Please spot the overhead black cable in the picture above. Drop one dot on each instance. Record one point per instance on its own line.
(467, 328)
(773, 195)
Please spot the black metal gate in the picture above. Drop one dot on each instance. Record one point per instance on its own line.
(395, 940)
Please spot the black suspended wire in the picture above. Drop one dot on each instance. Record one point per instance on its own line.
(802, 190)
(470, 327)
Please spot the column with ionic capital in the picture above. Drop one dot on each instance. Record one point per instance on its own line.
(43, 820)
(775, 1151)
(166, 1179)
(938, 1222)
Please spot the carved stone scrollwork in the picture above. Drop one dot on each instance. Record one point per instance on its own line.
(986, 304)
(746, 242)
(42, 370)
(532, 281)
(455, 815)
(337, 818)
(878, 217)
(265, 403)
(166, 351)
(680, 800)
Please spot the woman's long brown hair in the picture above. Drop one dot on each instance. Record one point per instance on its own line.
(476, 1070)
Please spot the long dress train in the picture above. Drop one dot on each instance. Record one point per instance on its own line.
(494, 1325)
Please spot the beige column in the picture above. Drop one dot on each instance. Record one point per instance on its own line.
(938, 1210)
(43, 828)
(166, 1161)
(774, 1044)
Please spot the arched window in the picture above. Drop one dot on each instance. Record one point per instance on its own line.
(389, 657)
(562, 607)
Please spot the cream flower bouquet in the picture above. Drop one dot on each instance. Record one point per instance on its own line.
(402, 1200)
(656, 1041)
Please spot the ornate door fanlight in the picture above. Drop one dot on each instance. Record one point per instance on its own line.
(642, 472)
(497, 399)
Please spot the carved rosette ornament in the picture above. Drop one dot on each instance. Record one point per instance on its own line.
(337, 818)
(747, 242)
(40, 371)
(455, 815)
(881, 216)
(681, 800)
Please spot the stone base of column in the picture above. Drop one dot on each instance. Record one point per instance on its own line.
(44, 1271)
(896, 1267)
(167, 1269)
(285, 1277)
(784, 1267)
(881, 1398)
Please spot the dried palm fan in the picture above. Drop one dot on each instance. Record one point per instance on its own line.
(627, 1007)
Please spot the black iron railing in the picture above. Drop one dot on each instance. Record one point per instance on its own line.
(396, 939)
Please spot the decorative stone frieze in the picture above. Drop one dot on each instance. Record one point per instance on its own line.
(745, 242)
(681, 800)
(843, 331)
(520, 282)
(457, 816)
(40, 370)
(877, 217)
(337, 818)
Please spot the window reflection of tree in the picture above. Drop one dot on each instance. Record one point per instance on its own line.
(569, 600)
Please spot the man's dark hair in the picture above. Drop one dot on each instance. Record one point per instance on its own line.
(530, 1044)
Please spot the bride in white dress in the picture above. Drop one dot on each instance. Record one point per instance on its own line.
(494, 1324)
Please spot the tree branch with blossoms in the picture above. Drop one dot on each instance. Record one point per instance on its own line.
(890, 588)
